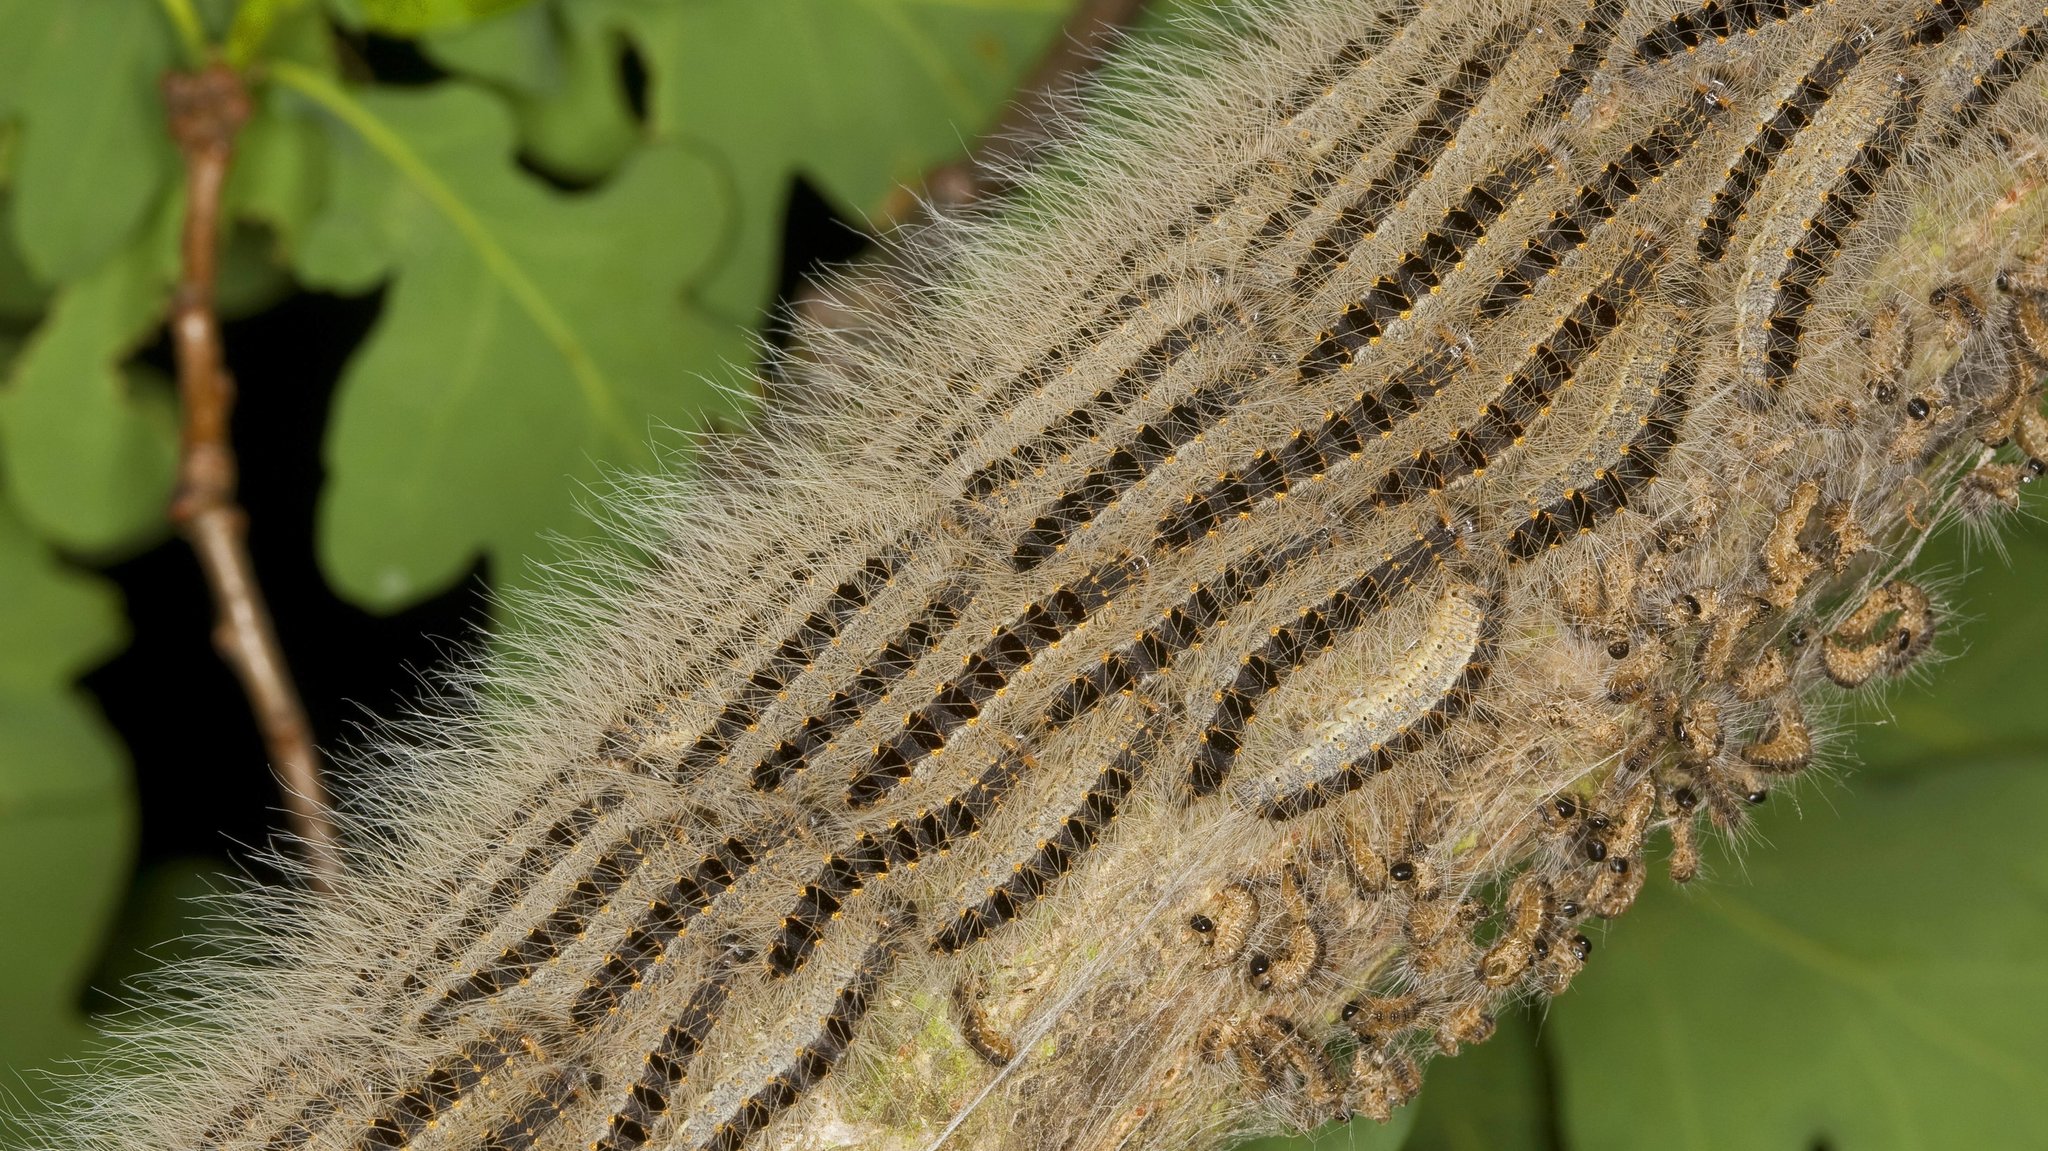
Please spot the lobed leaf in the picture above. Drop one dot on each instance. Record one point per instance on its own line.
(518, 51)
(281, 174)
(89, 447)
(22, 297)
(528, 337)
(55, 621)
(412, 17)
(94, 157)
(558, 67)
(66, 810)
(861, 97)
(67, 825)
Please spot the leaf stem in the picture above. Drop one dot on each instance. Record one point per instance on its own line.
(191, 31)
(206, 109)
(380, 136)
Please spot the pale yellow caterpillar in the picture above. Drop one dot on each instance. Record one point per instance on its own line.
(1231, 612)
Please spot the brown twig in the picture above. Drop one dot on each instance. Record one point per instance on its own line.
(206, 110)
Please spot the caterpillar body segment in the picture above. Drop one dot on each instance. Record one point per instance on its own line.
(1232, 612)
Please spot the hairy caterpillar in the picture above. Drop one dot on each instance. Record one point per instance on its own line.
(1221, 628)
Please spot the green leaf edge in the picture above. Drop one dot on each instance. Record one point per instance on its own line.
(598, 390)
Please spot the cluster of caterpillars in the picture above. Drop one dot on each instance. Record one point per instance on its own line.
(1461, 443)
(1683, 665)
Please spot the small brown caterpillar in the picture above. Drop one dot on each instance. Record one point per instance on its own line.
(1398, 457)
(1300, 946)
(981, 1036)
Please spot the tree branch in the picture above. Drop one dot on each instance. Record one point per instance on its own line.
(206, 110)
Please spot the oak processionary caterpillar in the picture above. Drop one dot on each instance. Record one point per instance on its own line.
(1223, 622)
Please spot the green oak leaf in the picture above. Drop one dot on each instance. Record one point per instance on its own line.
(95, 157)
(1493, 1097)
(67, 815)
(67, 825)
(279, 180)
(276, 188)
(529, 339)
(90, 446)
(1869, 978)
(413, 17)
(861, 97)
(215, 16)
(518, 51)
(251, 277)
(28, 25)
(55, 621)
(259, 31)
(558, 65)
(348, 14)
(22, 297)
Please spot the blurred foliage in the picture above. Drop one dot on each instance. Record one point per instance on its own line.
(570, 265)
(524, 333)
(66, 810)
